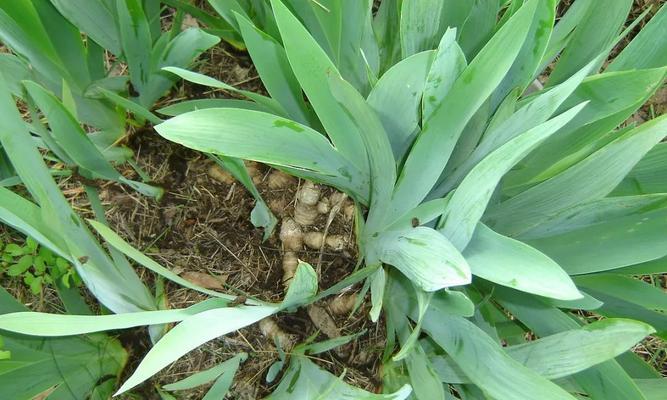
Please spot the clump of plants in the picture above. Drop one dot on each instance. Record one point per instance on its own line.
(36, 265)
(500, 197)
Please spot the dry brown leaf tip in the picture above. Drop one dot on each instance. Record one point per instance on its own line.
(205, 280)
(323, 321)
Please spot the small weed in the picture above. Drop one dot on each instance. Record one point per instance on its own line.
(35, 265)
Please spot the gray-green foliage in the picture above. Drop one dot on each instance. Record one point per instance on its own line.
(62, 66)
(491, 208)
(451, 119)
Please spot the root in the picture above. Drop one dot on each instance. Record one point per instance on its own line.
(280, 180)
(290, 264)
(254, 171)
(305, 211)
(323, 206)
(315, 240)
(291, 235)
(220, 175)
(271, 330)
(343, 304)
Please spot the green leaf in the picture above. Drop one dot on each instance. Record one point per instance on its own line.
(136, 41)
(48, 325)
(396, 98)
(423, 377)
(471, 198)
(615, 307)
(648, 49)
(302, 288)
(200, 79)
(121, 245)
(75, 367)
(378, 284)
(272, 64)
(595, 212)
(572, 351)
(378, 149)
(69, 134)
(478, 26)
(23, 264)
(220, 387)
(535, 112)
(199, 104)
(359, 53)
(26, 217)
(16, 71)
(653, 389)
(75, 142)
(591, 179)
(312, 66)
(496, 373)
(605, 246)
(203, 377)
(420, 25)
(605, 381)
(440, 133)
(322, 347)
(304, 380)
(447, 66)
(127, 104)
(93, 18)
(596, 31)
(228, 9)
(530, 57)
(190, 334)
(422, 254)
(386, 26)
(116, 286)
(626, 288)
(562, 33)
(566, 353)
(410, 350)
(658, 266)
(422, 214)
(68, 43)
(613, 98)
(179, 52)
(23, 30)
(648, 176)
(265, 138)
(511, 263)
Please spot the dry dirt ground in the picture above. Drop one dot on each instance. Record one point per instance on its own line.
(202, 226)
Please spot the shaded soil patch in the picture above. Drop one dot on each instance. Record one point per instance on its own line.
(202, 225)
